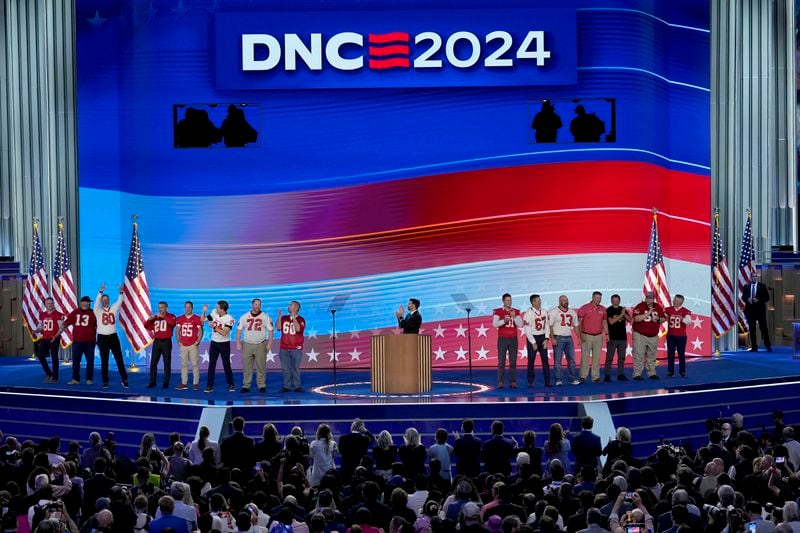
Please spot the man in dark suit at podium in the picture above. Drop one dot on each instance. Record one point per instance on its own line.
(413, 320)
(756, 296)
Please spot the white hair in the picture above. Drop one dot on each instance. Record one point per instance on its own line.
(790, 512)
(41, 481)
(621, 482)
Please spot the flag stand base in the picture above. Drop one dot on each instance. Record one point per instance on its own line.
(717, 354)
(32, 357)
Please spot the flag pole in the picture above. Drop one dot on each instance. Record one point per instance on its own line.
(29, 327)
(67, 354)
(717, 353)
(133, 368)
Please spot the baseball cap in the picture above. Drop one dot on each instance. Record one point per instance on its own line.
(86, 299)
(649, 294)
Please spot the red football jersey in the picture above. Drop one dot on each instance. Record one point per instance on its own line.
(509, 329)
(292, 337)
(161, 326)
(84, 325)
(650, 325)
(189, 329)
(49, 323)
(675, 323)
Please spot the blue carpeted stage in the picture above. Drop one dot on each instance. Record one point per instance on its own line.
(452, 385)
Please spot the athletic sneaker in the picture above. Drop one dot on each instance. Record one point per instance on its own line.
(105, 385)
(124, 384)
(575, 382)
(74, 382)
(558, 383)
(231, 388)
(209, 389)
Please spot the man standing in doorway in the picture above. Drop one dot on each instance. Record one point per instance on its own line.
(756, 296)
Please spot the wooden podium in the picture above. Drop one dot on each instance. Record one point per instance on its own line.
(401, 364)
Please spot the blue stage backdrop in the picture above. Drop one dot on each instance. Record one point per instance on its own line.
(383, 150)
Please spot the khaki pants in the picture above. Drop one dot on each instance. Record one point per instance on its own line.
(251, 353)
(644, 353)
(592, 345)
(189, 353)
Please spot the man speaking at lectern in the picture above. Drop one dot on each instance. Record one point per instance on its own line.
(413, 320)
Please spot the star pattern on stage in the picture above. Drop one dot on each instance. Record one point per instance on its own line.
(481, 330)
(204, 357)
(461, 331)
(333, 355)
(697, 322)
(482, 353)
(439, 331)
(312, 334)
(628, 352)
(523, 353)
(355, 355)
(312, 355)
(628, 328)
(697, 344)
(439, 353)
(355, 334)
(271, 356)
(481, 308)
(376, 331)
(461, 354)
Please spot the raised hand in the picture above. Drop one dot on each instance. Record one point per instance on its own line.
(103, 287)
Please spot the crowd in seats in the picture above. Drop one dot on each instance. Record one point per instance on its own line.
(738, 481)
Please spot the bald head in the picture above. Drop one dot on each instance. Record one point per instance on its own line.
(104, 518)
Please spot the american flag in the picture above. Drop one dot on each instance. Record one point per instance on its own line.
(747, 265)
(723, 311)
(35, 290)
(655, 274)
(136, 298)
(63, 285)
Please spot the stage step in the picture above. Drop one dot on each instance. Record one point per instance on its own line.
(36, 417)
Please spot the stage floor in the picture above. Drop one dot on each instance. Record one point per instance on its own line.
(730, 369)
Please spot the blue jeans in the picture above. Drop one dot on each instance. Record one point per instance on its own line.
(290, 367)
(564, 345)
